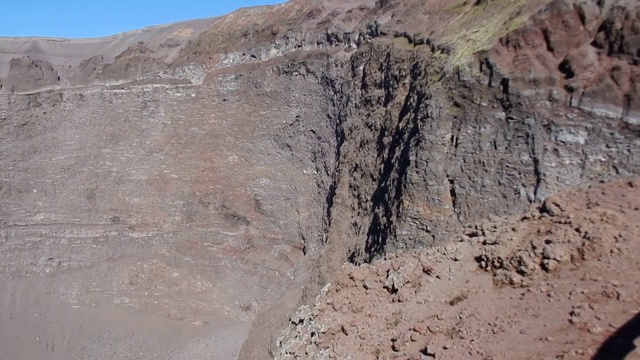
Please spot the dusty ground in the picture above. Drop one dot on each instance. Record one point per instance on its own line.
(552, 284)
(38, 326)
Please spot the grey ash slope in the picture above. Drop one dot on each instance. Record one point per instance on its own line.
(198, 182)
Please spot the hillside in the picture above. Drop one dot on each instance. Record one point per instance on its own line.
(207, 178)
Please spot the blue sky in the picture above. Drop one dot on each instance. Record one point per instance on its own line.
(92, 18)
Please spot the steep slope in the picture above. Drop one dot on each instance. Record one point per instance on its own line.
(427, 142)
(182, 206)
(202, 171)
(187, 203)
(444, 148)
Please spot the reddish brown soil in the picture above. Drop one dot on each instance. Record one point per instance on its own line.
(553, 284)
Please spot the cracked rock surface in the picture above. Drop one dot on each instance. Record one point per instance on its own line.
(207, 178)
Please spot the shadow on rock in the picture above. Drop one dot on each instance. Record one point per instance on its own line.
(620, 344)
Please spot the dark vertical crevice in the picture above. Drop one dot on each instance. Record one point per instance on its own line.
(386, 200)
(504, 84)
(491, 71)
(537, 170)
(337, 122)
(454, 196)
(626, 107)
(581, 14)
(547, 40)
(377, 129)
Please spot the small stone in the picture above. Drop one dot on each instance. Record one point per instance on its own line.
(334, 329)
(596, 330)
(610, 294)
(369, 284)
(396, 345)
(395, 281)
(301, 315)
(414, 336)
(435, 329)
(122, 300)
(549, 265)
(345, 330)
(420, 328)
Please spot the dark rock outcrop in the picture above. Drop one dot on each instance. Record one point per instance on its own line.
(272, 145)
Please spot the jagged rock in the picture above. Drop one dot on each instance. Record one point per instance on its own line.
(271, 146)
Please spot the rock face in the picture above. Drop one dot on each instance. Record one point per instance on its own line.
(25, 72)
(191, 202)
(441, 151)
(221, 164)
(584, 54)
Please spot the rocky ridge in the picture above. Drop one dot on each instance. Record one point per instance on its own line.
(290, 139)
